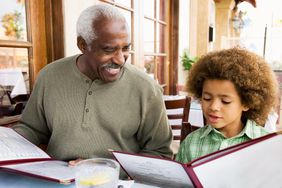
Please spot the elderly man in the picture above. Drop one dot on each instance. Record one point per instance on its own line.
(83, 105)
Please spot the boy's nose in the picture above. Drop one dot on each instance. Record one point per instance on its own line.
(215, 105)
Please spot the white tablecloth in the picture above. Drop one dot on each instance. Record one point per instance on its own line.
(13, 77)
(12, 180)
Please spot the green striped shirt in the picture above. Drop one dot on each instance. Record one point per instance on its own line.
(207, 140)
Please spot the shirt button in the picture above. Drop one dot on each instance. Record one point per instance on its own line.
(89, 92)
(87, 110)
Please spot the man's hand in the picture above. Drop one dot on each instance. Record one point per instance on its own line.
(74, 162)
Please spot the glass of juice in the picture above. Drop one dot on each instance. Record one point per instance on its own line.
(97, 173)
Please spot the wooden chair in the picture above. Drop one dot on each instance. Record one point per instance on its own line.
(187, 128)
(22, 98)
(11, 110)
(178, 113)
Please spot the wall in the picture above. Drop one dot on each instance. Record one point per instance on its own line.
(195, 18)
(222, 19)
(72, 9)
(202, 27)
(184, 26)
(279, 108)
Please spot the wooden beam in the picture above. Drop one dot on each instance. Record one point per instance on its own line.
(38, 33)
(54, 30)
(15, 44)
(173, 66)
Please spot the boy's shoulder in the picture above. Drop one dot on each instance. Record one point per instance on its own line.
(253, 130)
(198, 134)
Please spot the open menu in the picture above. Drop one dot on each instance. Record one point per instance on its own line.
(19, 155)
(255, 163)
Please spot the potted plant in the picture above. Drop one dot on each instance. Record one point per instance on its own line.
(187, 61)
(149, 68)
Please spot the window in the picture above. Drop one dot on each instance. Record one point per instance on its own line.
(29, 38)
(15, 47)
(149, 24)
(154, 32)
(126, 8)
(31, 34)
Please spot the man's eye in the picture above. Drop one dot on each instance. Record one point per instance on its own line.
(226, 102)
(127, 48)
(109, 50)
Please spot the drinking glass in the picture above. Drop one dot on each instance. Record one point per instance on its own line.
(97, 173)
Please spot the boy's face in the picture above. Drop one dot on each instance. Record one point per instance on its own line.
(222, 106)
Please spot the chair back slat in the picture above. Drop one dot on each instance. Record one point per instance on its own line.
(176, 137)
(177, 103)
(187, 128)
(177, 113)
(175, 116)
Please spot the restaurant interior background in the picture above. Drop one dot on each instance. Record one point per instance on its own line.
(34, 33)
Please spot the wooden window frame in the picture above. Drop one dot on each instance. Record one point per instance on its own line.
(45, 35)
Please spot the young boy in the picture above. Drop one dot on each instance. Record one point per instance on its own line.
(237, 90)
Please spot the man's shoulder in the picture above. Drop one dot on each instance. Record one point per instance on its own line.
(140, 77)
(60, 62)
(56, 68)
(58, 65)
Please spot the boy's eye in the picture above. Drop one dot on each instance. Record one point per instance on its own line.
(226, 102)
(206, 98)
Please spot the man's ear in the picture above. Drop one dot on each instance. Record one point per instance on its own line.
(81, 44)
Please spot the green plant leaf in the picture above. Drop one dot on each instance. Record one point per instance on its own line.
(187, 61)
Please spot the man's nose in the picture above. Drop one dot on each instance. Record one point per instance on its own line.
(119, 57)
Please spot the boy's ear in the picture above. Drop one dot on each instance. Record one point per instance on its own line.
(81, 44)
(245, 108)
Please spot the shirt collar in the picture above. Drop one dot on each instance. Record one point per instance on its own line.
(206, 132)
(250, 130)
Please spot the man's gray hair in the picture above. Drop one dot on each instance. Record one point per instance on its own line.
(84, 25)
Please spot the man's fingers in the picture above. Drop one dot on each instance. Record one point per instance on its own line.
(74, 162)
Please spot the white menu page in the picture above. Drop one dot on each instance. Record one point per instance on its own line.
(51, 169)
(15, 147)
(258, 165)
(154, 171)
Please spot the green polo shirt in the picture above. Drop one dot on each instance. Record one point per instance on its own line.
(207, 140)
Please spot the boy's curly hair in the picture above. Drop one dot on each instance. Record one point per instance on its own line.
(253, 78)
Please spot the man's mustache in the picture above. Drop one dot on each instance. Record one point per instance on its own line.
(112, 65)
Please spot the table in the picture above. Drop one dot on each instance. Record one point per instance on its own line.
(11, 180)
(13, 77)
